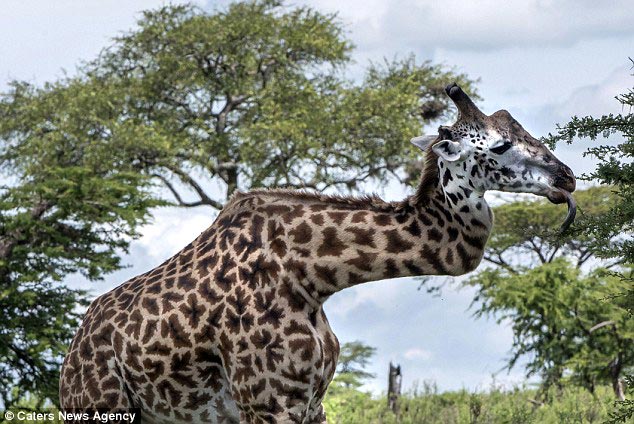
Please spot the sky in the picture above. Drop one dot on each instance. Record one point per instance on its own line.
(543, 60)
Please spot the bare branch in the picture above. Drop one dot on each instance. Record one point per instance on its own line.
(204, 199)
(499, 260)
(537, 250)
(10, 240)
(602, 324)
(553, 253)
(584, 257)
(221, 117)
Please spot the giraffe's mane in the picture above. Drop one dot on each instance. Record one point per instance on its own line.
(428, 182)
(365, 202)
(429, 179)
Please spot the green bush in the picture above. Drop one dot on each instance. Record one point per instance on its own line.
(518, 406)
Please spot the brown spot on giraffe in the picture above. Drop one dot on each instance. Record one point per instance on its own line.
(302, 233)
(331, 244)
(231, 329)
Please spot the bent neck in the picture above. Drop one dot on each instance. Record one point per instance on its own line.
(442, 232)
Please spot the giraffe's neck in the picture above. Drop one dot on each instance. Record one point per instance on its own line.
(440, 233)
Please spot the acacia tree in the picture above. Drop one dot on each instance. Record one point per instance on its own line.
(354, 358)
(549, 288)
(344, 399)
(255, 96)
(615, 167)
(69, 204)
(612, 231)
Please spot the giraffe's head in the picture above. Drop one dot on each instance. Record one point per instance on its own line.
(494, 152)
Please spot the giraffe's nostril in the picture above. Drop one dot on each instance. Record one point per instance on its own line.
(566, 180)
(573, 184)
(572, 180)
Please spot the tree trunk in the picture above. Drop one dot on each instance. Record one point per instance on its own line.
(394, 387)
(232, 180)
(619, 390)
(617, 382)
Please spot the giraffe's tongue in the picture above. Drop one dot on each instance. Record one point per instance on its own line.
(572, 211)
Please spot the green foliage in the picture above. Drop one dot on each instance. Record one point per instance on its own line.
(342, 403)
(573, 405)
(343, 393)
(612, 231)
(562, 323)
(528, 229)
(624, 409)
(30, 406)
(555, 312)
(69, 204)
(254, 96)
(354, 357)
(427, 406)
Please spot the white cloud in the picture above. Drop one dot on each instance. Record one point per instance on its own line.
(417, 353)
(489, 24)
(597, 99)
(172, 229)
(432, 338)
(377, 293)
(40, 38)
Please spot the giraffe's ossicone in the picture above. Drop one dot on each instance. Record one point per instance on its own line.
(231, 329)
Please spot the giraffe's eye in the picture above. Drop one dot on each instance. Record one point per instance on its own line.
(501, 148)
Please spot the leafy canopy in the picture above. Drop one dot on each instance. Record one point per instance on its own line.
(69, 204)
(354, 358)
(255, 96)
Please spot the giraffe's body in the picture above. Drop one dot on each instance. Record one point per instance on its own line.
(231, 329)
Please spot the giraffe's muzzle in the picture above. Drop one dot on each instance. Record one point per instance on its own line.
(563, 181)
(564, 184)
(566, 180)
(560, 196)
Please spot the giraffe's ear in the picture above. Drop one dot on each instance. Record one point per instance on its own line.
(423, 141)
(448, 150)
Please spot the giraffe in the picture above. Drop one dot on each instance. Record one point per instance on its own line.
(231, 329)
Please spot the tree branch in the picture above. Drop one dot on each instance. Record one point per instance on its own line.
(500, 262)
(551, 257)
(10, 240)
(221, 117)
(204, 199)
(537, 250)
(601, 325)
